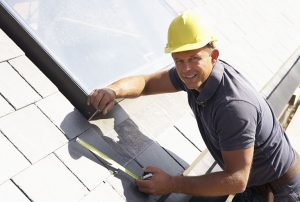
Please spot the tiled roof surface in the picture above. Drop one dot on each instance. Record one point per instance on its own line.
(40, 160)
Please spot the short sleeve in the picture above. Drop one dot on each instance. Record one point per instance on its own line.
(178, 84)
(236, 125)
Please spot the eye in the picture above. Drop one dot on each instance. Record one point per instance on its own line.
(195, 59)
(179, 62)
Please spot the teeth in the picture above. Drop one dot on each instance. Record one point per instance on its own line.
(190, 76)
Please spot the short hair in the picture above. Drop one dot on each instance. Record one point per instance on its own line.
(211, 44)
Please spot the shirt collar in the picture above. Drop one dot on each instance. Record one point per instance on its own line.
(211, 84)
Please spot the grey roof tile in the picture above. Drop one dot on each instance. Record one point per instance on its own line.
(63, 114)
(188, 126)
(83, 164)
(32, 133)
(96, 139)
(8, 49)
(145, 112)
(12, 160)
(108, 122)
(103, 192)
(175, 105)
(33, 76)
(127, 139)
(9, 192)
(49, 180)
(157, 156)
(178, 146)
(14, 88)
(5, 107)
(152, 119)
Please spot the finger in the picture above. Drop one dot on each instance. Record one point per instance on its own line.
(88, 102)
(108, 107)
(94, 98)
(143, 186)
(145, 190)
(102, 100)
(141, 183)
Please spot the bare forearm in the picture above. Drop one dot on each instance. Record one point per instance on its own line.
(214, 184)
(134, 86)
(129, 87)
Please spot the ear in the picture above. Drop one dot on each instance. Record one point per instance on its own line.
(214, 56)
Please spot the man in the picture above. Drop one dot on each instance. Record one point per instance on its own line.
(236, 123)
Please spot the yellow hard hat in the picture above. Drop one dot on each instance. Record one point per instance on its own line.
(188, 31)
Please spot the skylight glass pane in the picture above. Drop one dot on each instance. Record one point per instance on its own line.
(97, 41)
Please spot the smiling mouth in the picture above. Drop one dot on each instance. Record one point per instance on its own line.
(189, 77)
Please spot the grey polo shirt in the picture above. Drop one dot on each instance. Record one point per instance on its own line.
(231, 115)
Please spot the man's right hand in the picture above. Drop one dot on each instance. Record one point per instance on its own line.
(102, 99)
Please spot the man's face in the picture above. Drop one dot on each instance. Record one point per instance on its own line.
(195, 66)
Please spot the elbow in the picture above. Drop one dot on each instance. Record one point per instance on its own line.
(240, 184)
(241, 187)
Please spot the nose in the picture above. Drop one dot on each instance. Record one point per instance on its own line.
(186, 66)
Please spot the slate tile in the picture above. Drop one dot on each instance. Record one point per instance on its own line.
(5, 107)
(49, 180)
(10, 193)
(188, 126)
(104, 192)
(174, 104)
(127, 139)
(96, 139)
(13, 160)
(149, 116)
(32, 133)
(152, 120)
(8, 49)
(14, 88)
(158, 157)
(108, 122)
(63, 114)
(83, 164)
(178, 146)
(33, 76)
(132, 106)
(134, 167)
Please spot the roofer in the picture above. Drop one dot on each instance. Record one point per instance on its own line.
(236, 123)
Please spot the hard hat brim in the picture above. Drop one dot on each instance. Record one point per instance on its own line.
(187, 47)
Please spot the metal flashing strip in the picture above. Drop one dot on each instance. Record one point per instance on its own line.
(281, 87)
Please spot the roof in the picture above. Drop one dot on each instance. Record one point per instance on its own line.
(41, 160)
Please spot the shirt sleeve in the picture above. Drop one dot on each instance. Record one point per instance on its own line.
(236, 125)
(177, 83)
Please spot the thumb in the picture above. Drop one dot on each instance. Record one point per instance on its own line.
(108, 107)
